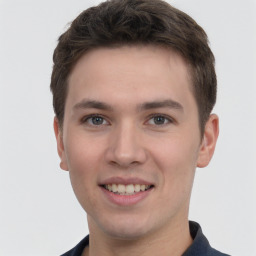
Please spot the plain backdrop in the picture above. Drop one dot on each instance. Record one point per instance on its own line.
(39, 215)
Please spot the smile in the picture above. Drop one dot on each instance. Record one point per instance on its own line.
(130, 189)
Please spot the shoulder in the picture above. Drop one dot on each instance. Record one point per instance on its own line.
(200, 245)
(78, 249)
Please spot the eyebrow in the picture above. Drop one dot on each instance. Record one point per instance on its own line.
(161, 104)
(92, 104)
(85, 103)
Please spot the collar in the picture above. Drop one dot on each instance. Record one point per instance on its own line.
(199, 247)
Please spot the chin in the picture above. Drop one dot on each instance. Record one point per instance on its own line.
(128, 228)
(127, 233)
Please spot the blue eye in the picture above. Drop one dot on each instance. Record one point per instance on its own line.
(95, 120)
(159, 120)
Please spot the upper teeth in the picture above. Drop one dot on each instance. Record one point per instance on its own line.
(126, 189)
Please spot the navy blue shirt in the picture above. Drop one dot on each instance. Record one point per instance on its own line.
(199, 247)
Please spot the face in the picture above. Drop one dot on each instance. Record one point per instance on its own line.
(131, 139)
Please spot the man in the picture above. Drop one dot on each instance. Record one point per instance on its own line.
(133, 88)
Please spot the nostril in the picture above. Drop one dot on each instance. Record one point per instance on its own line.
(123, 164)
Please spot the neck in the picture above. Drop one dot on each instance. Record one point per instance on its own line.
(171, 240)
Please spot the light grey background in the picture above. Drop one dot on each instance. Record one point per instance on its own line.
(39, 214)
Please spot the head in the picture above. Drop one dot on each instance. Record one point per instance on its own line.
(118, 23)
(133, 86)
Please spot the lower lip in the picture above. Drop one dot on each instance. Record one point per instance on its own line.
(126, 200)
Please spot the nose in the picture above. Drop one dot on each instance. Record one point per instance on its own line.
(126, 147)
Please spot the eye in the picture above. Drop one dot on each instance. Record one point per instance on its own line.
(159, 120)
(94, 120)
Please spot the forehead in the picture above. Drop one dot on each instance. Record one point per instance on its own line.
(146, 72)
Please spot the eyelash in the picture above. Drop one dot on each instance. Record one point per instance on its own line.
(87, 118)
(167, 118)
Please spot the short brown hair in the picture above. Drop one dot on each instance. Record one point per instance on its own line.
(129, 22)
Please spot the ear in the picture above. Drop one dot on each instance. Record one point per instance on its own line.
(60, 145)
(209, 140)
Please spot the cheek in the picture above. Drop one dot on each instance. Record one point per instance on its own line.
(176, 153)
(83, 180)
(177, 159)
(82, 153)
(83, 162)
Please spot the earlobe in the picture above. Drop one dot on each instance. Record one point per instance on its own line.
(209, 141)
(60, 145)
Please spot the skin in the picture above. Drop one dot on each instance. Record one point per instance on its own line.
(127, 141)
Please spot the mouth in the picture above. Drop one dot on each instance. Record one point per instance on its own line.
(127, 190)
